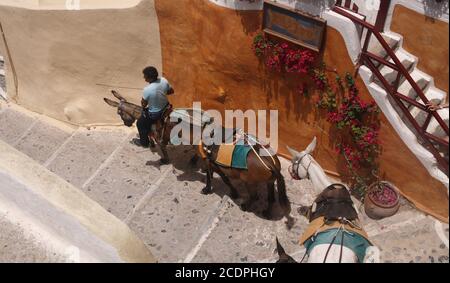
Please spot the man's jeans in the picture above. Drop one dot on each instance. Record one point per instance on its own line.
(144, 125)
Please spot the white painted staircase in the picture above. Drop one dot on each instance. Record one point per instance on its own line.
(395, 109)
(392, 111)
(423, 80)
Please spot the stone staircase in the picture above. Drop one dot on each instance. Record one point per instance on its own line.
(163, 204)
(391, 109)
(424, 81)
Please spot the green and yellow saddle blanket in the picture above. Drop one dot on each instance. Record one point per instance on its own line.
(233, 156)
(319, 233)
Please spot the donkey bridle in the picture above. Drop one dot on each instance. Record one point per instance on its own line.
(293, 169)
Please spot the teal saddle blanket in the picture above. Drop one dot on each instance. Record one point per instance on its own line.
(240, 153)
(357, 243)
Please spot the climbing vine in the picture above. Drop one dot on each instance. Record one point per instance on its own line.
(282, 57)
(353, 118)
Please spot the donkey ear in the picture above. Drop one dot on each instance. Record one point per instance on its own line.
(280, 249)
(312, 146)
(110, 102)
(118, 96)
(293, 152)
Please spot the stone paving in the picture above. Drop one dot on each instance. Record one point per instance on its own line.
(17, 246)
(162, 204)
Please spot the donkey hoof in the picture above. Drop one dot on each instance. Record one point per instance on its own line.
(152, 144)
(164, 161)
(234, 195)
(267, 214)
(245, 206)
(206, 191)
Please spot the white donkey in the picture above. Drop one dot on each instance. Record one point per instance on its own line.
(334, 234)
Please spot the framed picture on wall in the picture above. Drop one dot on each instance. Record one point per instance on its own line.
(294, 26)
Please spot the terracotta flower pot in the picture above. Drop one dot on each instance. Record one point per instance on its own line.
(381, 200)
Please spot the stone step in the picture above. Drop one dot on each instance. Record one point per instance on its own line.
(417, 243)
(60, 216)
(435, 129)
(248, 237)
(434, 95)
(83, 154)
(13, 125)
(391, 75)
(174, 215)
(421, 79)
(18, 246)
(240, 237)
(124, 179)
(42, 140)
(2, 72)
(376, 48)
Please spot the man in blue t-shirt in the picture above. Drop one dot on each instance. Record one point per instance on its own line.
(154, 101)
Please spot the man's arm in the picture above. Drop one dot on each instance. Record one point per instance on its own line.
(434, 107)
(144, 103)
(170, 91)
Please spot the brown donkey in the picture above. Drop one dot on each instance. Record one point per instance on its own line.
(261, 169)
(130, 113)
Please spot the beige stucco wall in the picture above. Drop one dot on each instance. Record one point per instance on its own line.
(67, 61)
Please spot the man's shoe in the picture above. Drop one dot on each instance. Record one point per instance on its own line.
(138, 143)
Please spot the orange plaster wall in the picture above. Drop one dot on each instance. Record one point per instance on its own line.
(427, 39)
(207, 56)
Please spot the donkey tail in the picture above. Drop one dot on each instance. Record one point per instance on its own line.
(281, 185)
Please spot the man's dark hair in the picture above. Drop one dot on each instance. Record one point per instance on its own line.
(150, 73)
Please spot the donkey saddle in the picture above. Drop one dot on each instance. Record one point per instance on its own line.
(157, 127)
(334, 204)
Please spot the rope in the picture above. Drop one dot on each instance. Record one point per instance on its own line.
(304, 256)
(257, 142)
(254, 150)
(342, 247)
(123, 87)
(331, 244)
(260, 159)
